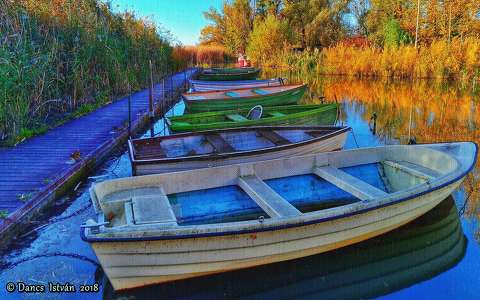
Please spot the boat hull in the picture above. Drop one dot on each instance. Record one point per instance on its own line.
(208, 86)
(309, 117)
(220, 76)
(332, 143)
(133, 264)
(287, 97)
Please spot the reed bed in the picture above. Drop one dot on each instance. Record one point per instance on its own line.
(203, 55)
(57, 56)
(459, 59)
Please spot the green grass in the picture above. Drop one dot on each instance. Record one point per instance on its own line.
(3, 214)
(63, 59)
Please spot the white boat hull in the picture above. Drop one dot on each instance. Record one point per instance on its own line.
(140, 263)
(330, 144)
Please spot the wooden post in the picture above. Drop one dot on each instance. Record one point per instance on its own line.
(129, 111)
(150, 98)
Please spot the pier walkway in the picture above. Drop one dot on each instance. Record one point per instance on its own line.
(44, 167)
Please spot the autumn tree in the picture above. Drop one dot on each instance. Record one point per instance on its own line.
(269, 36)
(318, 23)
(229, 27)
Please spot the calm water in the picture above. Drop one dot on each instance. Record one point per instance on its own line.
(436, 256)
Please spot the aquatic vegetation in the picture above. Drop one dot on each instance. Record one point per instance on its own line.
(204, 55)
(57, 56)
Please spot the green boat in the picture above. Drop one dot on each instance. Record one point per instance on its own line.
(243, 98)
(222, 74)
(312, 114)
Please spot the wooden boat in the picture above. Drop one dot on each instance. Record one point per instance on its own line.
(165, 227)
(406, 256)
(224, 74)
(211, 148)
(207, 86)
(312, 114)
(243, 98)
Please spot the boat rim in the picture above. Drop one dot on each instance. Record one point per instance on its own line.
(296, 221)
(290, 88)
(335, 130)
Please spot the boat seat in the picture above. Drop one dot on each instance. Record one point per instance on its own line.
(217, 141)
(236, 117)
(318, 133)
(232, 94)
(152, 209)
(413, 169)
(274, 137)
(349, 184)
(271, 202)
(261, 92)
(196, 98)
(150, 151)
(276, 114)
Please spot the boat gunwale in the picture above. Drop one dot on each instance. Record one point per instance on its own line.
(210, 72)
(316, 108)
(254, 96)
(335, 131)
(234, 82)
(288, 222)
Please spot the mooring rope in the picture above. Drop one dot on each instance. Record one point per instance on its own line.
(55, 254)
(355, 139)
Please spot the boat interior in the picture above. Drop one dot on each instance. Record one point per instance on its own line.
(239, 93)
(270, 192)
(216, 142)
(240, 115)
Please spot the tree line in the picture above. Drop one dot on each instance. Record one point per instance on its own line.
(262, 28)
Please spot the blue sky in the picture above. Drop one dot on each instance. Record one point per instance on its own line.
(183, 18)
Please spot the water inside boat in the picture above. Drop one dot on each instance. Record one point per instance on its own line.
(306, 193)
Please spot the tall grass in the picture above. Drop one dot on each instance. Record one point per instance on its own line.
(203, 55)
(459, 59)
(56, 55)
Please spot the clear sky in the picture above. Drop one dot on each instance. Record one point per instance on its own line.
(183, 18)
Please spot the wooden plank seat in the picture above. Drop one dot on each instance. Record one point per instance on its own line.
(273, 137)
(150, 151)
(276, 114)
(318, 133)
(272, 203)
(261, 92)
(150, 208)
(413, 169)
(217, 141)
(236, 117)
(350, 184)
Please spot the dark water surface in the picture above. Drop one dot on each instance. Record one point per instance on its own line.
(436, 256)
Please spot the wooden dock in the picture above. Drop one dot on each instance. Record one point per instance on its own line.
(41, 169)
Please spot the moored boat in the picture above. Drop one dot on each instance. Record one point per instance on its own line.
(211, 148)
(311, 114)
(243, 98)
(160, 228)
(206, 86)
(223, 74)
(413, 253)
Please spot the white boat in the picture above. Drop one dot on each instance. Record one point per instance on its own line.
(211, 148)
(209, 86)
(160, 228)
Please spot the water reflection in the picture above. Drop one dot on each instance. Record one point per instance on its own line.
(424, 110)
(413, 253)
